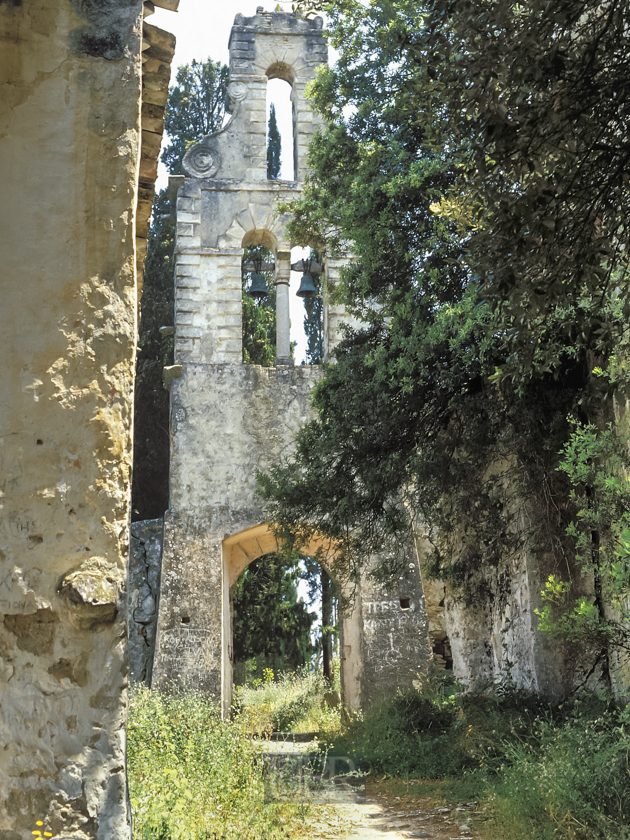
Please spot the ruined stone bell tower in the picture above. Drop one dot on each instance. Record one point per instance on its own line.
(230, 419)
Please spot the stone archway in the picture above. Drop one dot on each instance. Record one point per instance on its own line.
(241, 549)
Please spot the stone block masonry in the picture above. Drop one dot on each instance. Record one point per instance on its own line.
(228, 421)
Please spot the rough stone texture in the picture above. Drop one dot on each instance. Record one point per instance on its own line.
(70, 146)
(158, 48)
(145, 566)
(495, 638)
(395, 633)
(227, 422)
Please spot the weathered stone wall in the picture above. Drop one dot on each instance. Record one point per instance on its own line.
(492, 633)
(71, 79)
(145, 566)
(227, 421)
(395, 633)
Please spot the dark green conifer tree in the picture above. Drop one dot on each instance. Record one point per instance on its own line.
(269, 622)
(313, 320)
(195, 107)
(274, 146)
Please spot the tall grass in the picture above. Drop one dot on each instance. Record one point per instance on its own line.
(572, 780)
(544, 773)
(193, 776)
(290, 702)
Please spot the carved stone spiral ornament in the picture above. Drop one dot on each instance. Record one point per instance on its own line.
(237, 91)
(201, 162)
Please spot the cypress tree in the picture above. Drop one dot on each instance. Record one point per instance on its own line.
(274, 146)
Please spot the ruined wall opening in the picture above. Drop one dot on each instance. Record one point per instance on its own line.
(281, 129)
(276, 615)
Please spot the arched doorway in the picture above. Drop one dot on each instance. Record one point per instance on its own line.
(241, 549)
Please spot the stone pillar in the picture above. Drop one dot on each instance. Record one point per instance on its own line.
(70, 139)
(189, 635)
(283, 322)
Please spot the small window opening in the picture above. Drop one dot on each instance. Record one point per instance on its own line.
(442, 654)
(280, 132)
(40, 442)
(185, 619)
(405, 603)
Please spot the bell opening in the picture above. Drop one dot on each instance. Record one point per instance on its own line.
(258, 306)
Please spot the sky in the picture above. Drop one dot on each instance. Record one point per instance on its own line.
(202, 29)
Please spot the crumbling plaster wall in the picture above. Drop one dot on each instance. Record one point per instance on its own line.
(71, 81)
(396, 646)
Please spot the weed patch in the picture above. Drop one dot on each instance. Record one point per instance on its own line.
(193, 776)
(287, 703)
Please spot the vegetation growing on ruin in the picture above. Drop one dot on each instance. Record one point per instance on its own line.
(537, 772)
(288, 702)
(474, 161)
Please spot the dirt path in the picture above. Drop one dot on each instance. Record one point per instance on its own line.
(381, 817)
(357, 808)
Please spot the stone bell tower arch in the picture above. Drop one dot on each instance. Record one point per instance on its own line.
(230, 419)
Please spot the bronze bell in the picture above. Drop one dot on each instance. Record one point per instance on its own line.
(258, 288)
(307, 287)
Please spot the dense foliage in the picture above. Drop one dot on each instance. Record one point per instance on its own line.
(155, 351)
(287, 702)
(475, 162)
(195, 107)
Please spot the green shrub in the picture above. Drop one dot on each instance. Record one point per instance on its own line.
(193, 776)
(545, 773)
(414, 733)
(570, 780)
